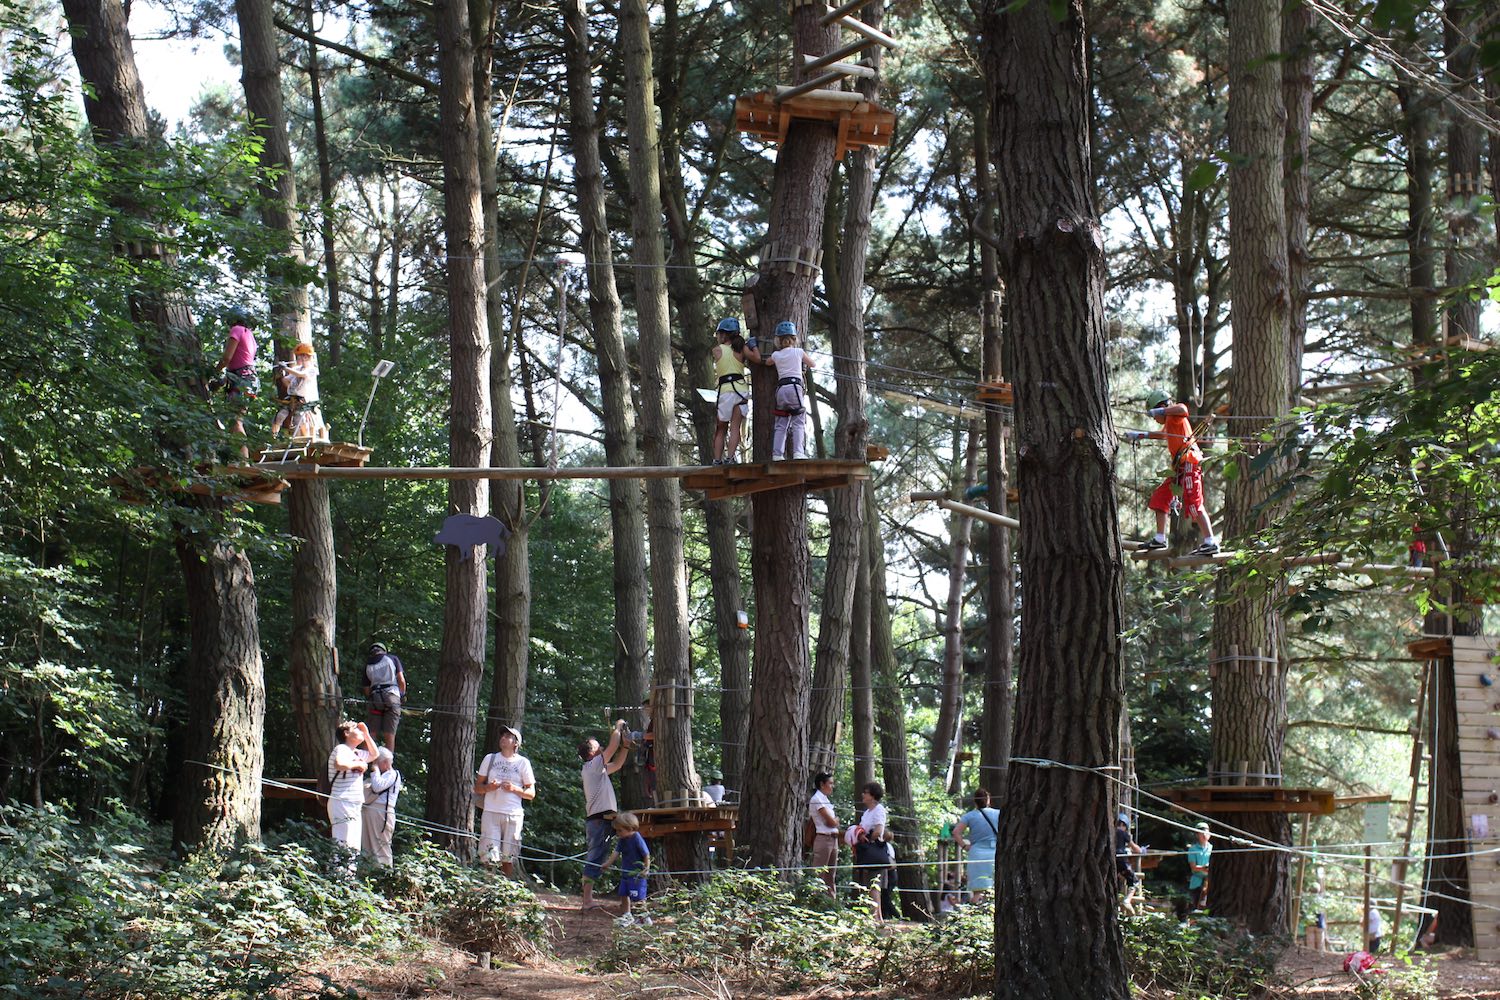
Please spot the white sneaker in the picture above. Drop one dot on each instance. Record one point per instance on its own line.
(624, 920)
(645, 921)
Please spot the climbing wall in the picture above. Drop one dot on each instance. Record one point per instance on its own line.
(1476, 677)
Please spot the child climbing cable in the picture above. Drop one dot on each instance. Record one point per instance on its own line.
(1187, 472)
(790, 362)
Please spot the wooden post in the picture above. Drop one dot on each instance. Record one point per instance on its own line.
(1364, 912)
(1295, 913)
(1411, 805)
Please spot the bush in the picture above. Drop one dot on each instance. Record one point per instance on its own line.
(751, 925)
(1204, 957)
(103, 910)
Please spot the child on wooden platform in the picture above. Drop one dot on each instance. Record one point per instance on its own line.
(237, 368)
(790, 362)
(730, 357)
(304, 411)
(1187, 472)
(635, 866)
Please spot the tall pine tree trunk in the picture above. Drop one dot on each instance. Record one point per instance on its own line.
(1248, 656)
(845, 506)
(328, 206)
(317, 698)
(779, 557)
(945, 737)
(1000, 574)
(890, 722)
(218, 803)
(676, 782)
(1056, 932)
(461, 658)
(861, 685)
(627, 515)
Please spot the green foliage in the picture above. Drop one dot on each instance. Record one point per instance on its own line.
(103, 910)
(1201, 958)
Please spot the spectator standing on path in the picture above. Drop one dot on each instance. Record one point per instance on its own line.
(979, 831)
(599, 803)
(1199, 854)
(871, 862)
(382, 786)
(347, 762)
(385, 692)
(825, 848)
(505, 779)
(1372, 931)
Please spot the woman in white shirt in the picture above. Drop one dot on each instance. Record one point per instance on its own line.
(791, 363)
(347, 763)
(871, 861)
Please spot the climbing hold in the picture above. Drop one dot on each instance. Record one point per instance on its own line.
(1486, 680)
(1493, 798)
(1492, 733)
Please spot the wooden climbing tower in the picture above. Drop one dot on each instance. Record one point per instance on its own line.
(768, 114)
(1476, 687)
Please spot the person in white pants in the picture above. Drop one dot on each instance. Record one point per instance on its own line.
(791, 363)
(346, 769)
(382, 785)
(505, 779)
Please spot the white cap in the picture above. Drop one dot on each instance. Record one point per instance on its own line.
(384, 753)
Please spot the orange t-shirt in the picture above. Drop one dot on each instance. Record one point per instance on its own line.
(1177, 432)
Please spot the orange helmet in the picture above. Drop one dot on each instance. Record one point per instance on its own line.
(302, 348)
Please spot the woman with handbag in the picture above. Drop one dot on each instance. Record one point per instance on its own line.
(982, 825)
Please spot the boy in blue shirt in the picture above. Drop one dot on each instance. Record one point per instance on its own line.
(635, 865)
(1199, 854)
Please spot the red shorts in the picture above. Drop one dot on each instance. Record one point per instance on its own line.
(1190, 478)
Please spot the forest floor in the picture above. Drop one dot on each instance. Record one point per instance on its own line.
(437, 972)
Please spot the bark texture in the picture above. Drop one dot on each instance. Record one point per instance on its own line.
(1000, 574)
(462, 654)
(845, 507)
(627, 513)
(945, 736)
(1249, 662)
(218, 801)
(1056, 932)
(779, 557)
(676, 779)
(317, 699)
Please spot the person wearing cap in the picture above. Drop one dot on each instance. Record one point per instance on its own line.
(1199, 854)
(1125, 848)
(347, 763)
(791, 363)
(715, 787)
(382, 786)
(1187, 472)
(385, 692)
(730, 356)
(505, 779)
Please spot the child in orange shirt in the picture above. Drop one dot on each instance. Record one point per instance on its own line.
(1187, 472)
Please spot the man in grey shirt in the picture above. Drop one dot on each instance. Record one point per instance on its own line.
(599, 804)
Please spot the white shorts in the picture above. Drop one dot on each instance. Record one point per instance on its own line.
(729, 402)
(500, 835)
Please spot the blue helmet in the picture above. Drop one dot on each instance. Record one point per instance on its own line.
(786, 328)
(729, 325)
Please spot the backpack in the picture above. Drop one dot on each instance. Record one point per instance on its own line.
(809, 833)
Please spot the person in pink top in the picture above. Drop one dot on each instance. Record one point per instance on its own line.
(238, 365)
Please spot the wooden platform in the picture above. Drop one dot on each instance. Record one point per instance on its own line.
(340, 454)
(860, 123)
(233, 484)
(671, 824)
(1479, 764)
(997, 392)
(1252, 798)
(719, 482)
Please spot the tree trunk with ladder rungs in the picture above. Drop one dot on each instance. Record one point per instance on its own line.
(780, 561)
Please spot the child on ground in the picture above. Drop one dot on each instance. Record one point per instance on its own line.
(730, 357)
(1187, 472)
(790, 362)
(635, 865)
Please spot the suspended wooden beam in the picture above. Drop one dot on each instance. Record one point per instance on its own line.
(298, 470)
(873, 34)
(843, 9)
(846, 68)
(814, 86)
(838, 55)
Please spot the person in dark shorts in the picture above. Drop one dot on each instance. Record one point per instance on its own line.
(385, 693)
(635, 866)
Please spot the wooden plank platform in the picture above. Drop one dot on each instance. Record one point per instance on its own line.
(1431, 647)
(673, 824)
(341, 454)
(1251, 798)
(860, 123)
(720, 482)
(232, 484)
(997, 392)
